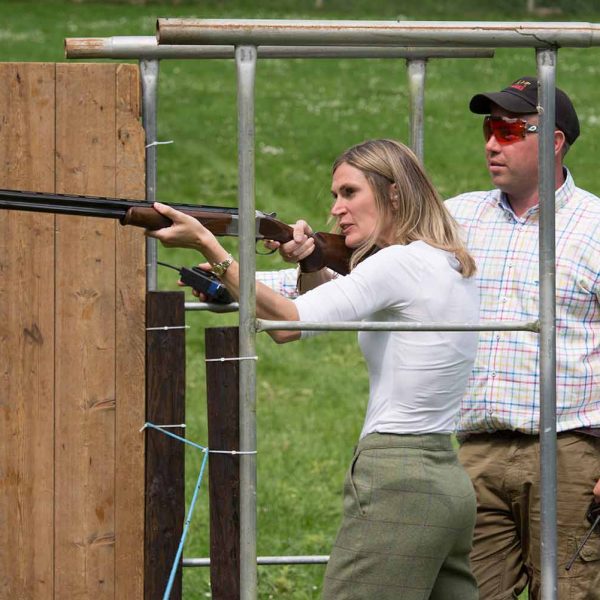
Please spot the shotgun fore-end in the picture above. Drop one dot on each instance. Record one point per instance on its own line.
(149, 218)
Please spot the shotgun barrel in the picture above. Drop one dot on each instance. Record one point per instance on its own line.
(87, 206)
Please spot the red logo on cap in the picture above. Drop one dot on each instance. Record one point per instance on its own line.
(520, 85)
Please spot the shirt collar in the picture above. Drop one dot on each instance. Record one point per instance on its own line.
(562, 196)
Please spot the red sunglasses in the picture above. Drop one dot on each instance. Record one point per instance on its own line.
(505, 130)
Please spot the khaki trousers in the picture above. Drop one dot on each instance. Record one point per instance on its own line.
(409, 511)
(504, 469)
(595, 590)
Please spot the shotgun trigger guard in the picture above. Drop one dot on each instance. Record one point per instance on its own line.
(268, 253)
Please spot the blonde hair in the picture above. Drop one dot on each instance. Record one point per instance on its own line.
(414, 207)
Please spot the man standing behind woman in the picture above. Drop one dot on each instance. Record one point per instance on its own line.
(409, 507)
(499, 425)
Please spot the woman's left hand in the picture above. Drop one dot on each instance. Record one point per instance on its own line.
(184, 232)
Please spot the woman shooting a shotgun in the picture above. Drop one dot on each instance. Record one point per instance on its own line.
(409, 508)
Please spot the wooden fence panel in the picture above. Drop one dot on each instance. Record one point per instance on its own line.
(26, 337)
(73, 489)
(85, 339)
(131, 317)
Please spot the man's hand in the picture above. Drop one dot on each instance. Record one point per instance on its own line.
(297, 249)
(597, 491)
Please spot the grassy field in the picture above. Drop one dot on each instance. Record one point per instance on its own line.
(311, 396)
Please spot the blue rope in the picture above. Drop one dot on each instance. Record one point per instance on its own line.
(188, 519)
(186, 527)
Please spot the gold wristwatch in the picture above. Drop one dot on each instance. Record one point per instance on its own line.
(219, 268)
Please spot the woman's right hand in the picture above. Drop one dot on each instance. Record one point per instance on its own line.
(297, 249)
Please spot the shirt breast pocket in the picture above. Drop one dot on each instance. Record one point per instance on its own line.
(574, 287)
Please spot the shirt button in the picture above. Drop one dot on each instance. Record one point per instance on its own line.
(493, 373)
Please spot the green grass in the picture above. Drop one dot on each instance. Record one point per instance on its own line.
(311, 396)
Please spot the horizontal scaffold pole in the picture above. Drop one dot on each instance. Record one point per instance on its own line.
(486, 34)
(147, 47)
(317, 559)
(268, 325)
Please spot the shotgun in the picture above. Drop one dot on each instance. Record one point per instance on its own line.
(330, 250)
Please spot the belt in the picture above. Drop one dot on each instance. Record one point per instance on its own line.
(511, 433)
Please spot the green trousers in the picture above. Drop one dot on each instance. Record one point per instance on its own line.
(409, 512)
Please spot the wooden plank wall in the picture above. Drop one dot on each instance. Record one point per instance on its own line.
(72, 329)
(26, 338)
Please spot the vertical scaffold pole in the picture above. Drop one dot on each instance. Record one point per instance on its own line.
(149, 73)
(416, 85)
(245, 60)
(546, 66)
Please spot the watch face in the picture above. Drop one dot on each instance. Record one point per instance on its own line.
(220, 268)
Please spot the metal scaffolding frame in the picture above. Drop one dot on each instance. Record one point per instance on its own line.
(246, 36)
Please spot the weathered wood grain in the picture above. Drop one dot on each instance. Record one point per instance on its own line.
(26, 336)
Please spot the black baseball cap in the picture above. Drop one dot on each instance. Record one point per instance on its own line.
(521, 97)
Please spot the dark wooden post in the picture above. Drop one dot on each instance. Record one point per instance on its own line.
(222, 385)
(165, 405)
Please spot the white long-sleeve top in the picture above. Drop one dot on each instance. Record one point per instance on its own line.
(417, 379)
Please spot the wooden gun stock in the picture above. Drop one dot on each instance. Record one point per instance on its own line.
(330, 249)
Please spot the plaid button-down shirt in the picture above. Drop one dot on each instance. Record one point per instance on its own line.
(284, 282)
(503, 391)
